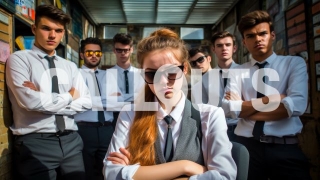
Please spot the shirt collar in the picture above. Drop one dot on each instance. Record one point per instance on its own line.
(121, 69)
(41, 53)
(177, 111)
(85, 68)
(270, 59)
(233, 64)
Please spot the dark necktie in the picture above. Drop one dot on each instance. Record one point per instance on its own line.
(55, 88)
(101, 118)
(168, 148)
(126, 81)
(258, 126)
(225, 80)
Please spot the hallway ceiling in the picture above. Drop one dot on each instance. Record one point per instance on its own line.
(181, 12)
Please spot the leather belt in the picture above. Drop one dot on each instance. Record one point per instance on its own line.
(94, 124)
(65, 132)
(57, 134)
(279, 140)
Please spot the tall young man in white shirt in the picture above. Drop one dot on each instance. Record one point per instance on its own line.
(129, 78)
(273, 98)
(96, 126)
(224, 46)
(46, 91)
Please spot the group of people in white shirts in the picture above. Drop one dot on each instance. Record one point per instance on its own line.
(141, 123)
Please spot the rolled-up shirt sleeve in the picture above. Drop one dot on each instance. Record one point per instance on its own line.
(297, 93)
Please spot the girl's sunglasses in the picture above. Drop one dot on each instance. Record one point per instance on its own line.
(172, 73)
(90, 53)
(199, 60)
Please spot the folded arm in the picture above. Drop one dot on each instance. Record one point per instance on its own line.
(36, 97)
(168, 170)
(252, 109)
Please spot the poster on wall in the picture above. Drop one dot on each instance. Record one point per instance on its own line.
(316, 31)
(316, 19)
(4, 51)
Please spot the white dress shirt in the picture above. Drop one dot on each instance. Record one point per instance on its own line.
(216, 147)
(33, 111)
(211, 89)
(102, 101)
(293, 82)
(136, 82)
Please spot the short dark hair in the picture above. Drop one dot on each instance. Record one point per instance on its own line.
(254, 18)
(52, 12)
(123, 38)
(90, 40)
(222, 34)
(196, 50)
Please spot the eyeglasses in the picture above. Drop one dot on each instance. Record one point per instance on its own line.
(199, 60)
(172, 73)
(118, 50)
(90, 53)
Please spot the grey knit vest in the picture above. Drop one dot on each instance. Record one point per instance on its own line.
(188, 145)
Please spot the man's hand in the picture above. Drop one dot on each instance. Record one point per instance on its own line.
(30, 85)
(232, 96)
(120, 158)
(115, 94)
(74, 93)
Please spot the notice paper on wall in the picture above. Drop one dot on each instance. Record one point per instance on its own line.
(4, 51)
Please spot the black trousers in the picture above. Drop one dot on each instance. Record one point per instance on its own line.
(275, 161)
(42, 155)
(96, 142)
(230, 132)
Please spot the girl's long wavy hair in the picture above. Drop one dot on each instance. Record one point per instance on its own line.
(143, 132)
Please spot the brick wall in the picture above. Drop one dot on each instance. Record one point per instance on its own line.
(5, 107)
(5, 133)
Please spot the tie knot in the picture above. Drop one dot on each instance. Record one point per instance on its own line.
(168, 119)
(126, 71)
(49, 58)
(261, 65)
(94, 73)
(222, 72)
